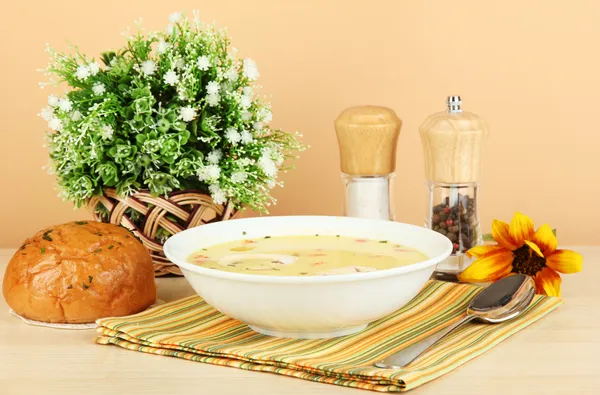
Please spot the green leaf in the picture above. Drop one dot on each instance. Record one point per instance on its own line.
(109, 173)
(178, 126)
(184, 136)
(193, 129)
(163, 125)
(140, 138)
(106, 57)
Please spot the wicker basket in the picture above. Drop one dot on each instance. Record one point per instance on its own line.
(191, 208)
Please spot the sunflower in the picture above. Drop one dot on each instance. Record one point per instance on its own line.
(520, 249)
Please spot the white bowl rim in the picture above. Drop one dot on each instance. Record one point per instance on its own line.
(336, 278)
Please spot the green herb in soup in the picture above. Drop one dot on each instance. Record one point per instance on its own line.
(305, 256)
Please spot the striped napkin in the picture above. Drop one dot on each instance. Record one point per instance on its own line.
(191, 329)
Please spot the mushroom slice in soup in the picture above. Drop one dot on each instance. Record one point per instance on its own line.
(346, 270)
(274, 259)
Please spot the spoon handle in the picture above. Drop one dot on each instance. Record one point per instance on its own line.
(409, 354)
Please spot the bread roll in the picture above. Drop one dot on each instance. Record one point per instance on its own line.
(79, 272)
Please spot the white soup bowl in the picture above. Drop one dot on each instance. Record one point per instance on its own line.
(308, 306)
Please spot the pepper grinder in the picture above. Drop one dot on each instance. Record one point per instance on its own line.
(452, 146)
(367, 138)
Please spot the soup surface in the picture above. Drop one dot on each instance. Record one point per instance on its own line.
(305, 256)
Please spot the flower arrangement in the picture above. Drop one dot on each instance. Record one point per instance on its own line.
(172, 110)
(521, 249)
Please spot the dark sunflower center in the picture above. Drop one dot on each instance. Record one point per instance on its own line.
(526, 261)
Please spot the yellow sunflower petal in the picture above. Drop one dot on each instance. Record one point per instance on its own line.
(491, 267)
(534, 248)
(547, 282)
(545, 239)
(480, 251)
(501, 235)
(565, 261)
(521, 229)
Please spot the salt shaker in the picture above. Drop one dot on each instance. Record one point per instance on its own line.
(452, 146)
(367, 138)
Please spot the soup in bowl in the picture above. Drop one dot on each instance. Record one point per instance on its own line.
(307, 276)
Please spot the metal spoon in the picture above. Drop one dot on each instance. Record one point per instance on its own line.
(499, 302)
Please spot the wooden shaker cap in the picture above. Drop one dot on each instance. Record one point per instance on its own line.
(368, 136)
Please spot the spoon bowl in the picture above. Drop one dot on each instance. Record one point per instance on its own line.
(501, 301)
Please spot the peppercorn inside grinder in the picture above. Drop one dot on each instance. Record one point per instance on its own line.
(452, 146)
(367, 138)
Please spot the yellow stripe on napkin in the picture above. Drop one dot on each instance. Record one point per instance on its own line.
(191, 329)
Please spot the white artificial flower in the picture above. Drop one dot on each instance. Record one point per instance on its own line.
(148, 67)
(246, 116)
(162, 47)
(175, 17)
(202, 174)
(239, 177)
(187, 114)
(233, 136)
(55, 124)
(171, 77)
(246, 137)
(98, 88)
(94, 68)
(212, 87)
(209, 173)
(257, 125)
(47, 113)
(76, 116)
(245, 101)
(180, 63)
(170, 29)
(214, 156)
(271, 183)
(250, 69)
(231, 75)
(203, 63)
(213, 100)
(247, 91)
(267, 165)
(82, 72)
(65, 104)
(217, 194)
(266, 115)
(106, 132)
(52, 101)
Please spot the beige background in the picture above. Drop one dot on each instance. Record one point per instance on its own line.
(530, 68)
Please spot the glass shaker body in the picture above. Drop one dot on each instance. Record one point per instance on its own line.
(453, 212)
(452, 146)
(369, 196)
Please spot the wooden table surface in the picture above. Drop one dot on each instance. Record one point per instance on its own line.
(558, 355)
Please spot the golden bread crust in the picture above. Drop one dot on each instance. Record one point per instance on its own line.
(78, 272)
